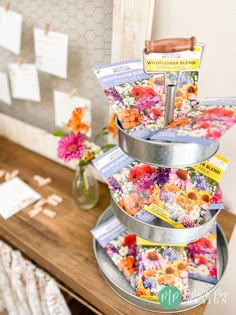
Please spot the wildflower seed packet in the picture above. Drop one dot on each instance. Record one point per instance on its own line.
(202, 257)
(138, 99)
(181, 197)
(205, 124)
(160, 266)
(110, 163)
(120, 245)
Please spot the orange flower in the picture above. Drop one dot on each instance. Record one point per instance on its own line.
(171, 188)
(161, 279)
(149, 273)
(189, 208)
(181, 266)
(180, 122)
(192, 195)
(131, 204)
(180, 199)
(88, 155)
(76, 124)
(127, 266)
(204, 198)
(111, 127)
(130, 118)
(178, 102)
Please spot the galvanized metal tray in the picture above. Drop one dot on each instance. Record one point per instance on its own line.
(162, 232)
(164, 153)
(199, 291)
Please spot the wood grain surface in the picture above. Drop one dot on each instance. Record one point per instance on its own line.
(63, 245)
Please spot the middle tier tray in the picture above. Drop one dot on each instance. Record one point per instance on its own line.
(161, 232)
(164, 153)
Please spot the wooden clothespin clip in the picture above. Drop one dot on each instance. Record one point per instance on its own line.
(7, 6)
(33, 212)
(20, 61)
(73, 92)
(46, 28)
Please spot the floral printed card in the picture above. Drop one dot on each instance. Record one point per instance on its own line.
(204, 124)
(120, 246)
(180, 197)
(202, 257)
(15, 195)
(138, 99)
(159, 266)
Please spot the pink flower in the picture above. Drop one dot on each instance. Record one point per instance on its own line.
(214, 135)
(71, 147)
(180, 178)
(213, 272)
(152, 260)
(217, 197)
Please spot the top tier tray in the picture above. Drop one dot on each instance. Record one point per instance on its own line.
(164, 154)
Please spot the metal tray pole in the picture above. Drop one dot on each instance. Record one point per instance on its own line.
(170, 103)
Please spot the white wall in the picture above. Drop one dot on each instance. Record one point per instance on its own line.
(213, 22)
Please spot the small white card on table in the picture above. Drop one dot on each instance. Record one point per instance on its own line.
(5, 95)
(51, 52)
(24, 82)
(10, 30)
(15, 195)
(64, 105)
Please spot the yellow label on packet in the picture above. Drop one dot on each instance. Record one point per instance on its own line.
(142, 241)
(173, 62)
(214, 168)
(159, 65)
(162, 214)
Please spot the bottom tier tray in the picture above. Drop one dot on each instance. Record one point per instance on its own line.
(199, 291)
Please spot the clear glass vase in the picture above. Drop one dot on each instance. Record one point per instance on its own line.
(85, 188)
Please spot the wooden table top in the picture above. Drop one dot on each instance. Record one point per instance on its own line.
(63, 245)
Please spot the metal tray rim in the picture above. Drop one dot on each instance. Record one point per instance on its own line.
(151, 145)
(123, 214)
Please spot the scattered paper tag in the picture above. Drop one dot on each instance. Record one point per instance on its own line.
(64, 104)
(2, 173)
(5, 95)
(10, 175)
(24, 82)
(57, 198)
(15, 195)
(49, 213)
(51, 52)
(10, 30)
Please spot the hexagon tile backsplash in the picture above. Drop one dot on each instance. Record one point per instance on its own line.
(89, 26)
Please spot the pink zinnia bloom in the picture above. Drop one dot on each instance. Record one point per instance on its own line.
(180, 178)
(152, 260)
(71, 147)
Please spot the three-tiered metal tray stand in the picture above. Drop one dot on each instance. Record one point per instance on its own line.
(163, 154)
